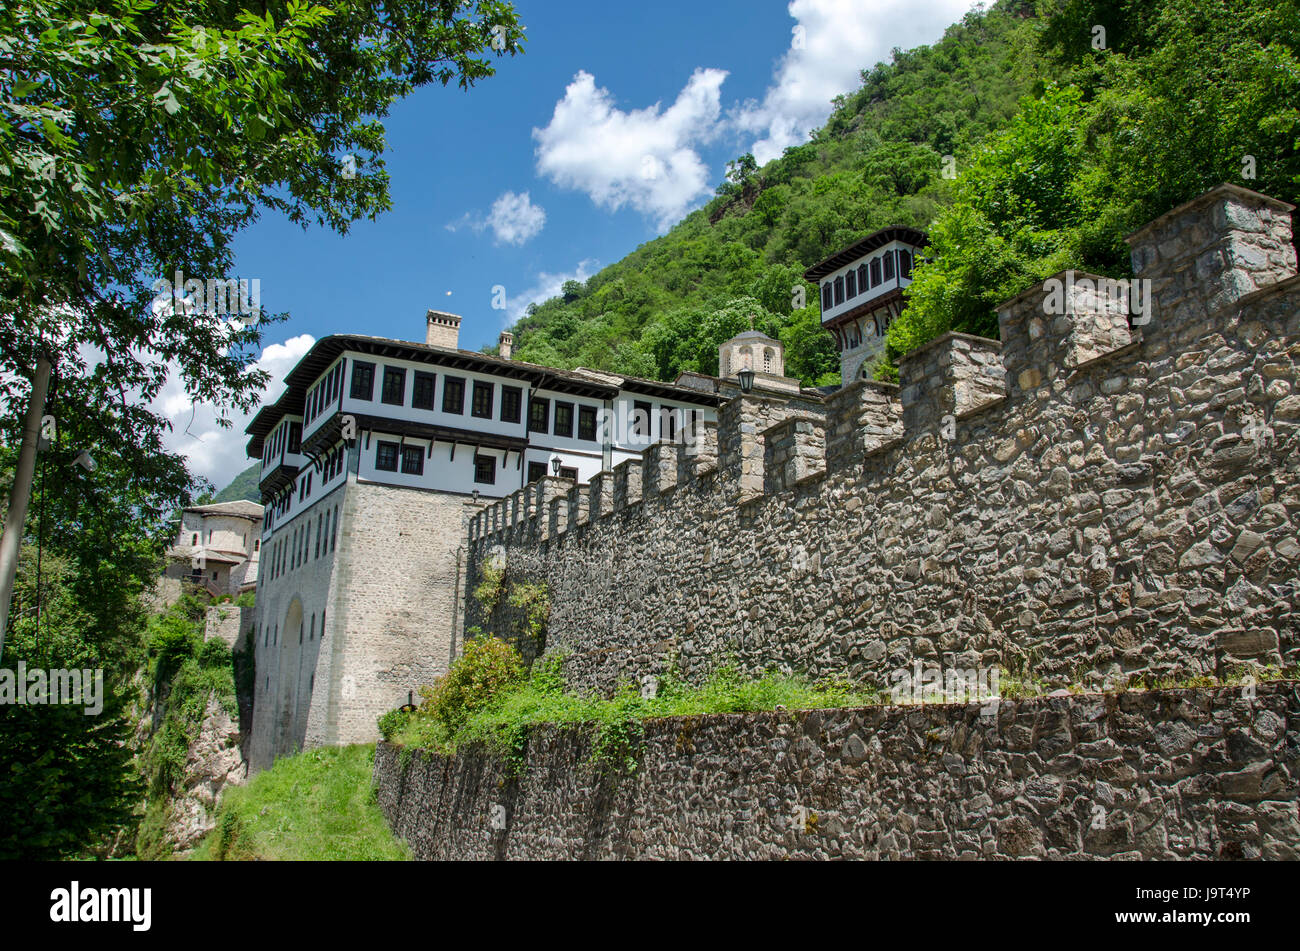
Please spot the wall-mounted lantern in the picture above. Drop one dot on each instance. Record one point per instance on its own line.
(746, 378)
(555, 465)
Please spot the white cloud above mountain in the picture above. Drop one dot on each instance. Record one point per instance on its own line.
(644, 158)
(649, 159)
(832, 41)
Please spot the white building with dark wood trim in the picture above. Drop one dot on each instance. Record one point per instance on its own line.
(372, 459)
(861, 292)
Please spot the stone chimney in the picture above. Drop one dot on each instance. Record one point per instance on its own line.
(443, 330)
(506, 345)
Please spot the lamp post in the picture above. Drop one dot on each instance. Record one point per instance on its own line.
(746, 378)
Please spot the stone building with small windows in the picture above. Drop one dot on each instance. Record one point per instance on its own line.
(217, 548)
(374, 458)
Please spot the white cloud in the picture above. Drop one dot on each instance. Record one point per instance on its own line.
(645, 158)
(832, 42)
(514, 219)
(211, 451)
(545, 287)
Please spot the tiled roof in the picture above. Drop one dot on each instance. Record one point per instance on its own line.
(239, 509)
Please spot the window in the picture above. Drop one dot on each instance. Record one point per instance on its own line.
(194, 539)
(568, 473)
(295, 437)
(563, 419)
(827, 302)
(905, 264)
(482, 402)
(536, 470)
(413, 460)
(386, 456)
(640, 419)
(422, 398)
(889, 265)
(453, 395)
(875, 272)
(335, 530)
(587, 423)
(668, 421)
(394, 392)
(312, 635)
(257, 544)
(363, 381)
(512, 398)
(539, 415)
(319, 530)
(839, 290)
(862, 278)
(485, 469)
(851, 283)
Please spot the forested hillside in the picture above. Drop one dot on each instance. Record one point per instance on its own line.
(1063, 138)
(879, 160)
(243, 486)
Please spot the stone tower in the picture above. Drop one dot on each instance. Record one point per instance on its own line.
(751, 350)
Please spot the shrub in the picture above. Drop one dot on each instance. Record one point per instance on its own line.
(488, 667)
(392, 723)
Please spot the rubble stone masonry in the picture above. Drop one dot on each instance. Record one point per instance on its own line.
(1092, 499)
(1173, 774)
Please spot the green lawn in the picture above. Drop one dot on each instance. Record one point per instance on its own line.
(316, 806)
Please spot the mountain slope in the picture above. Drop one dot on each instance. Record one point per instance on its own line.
(244, 486)
(879, 160)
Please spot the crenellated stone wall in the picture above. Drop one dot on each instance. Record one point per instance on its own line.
(1090, 500)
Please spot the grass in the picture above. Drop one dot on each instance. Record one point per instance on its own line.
(503, 723)
(315, 806)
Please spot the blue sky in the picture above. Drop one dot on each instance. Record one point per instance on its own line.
(618, 119)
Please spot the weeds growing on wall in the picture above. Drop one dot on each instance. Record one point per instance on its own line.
(502, 723)
(501, 718)
(488, 591)
(532, 599)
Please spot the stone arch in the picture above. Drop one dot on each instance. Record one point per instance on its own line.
(768, 355)
(746, 357)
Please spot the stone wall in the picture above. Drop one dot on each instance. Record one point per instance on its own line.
(345, 636)
(1178, 774)
(229, 622)
(1090, 501)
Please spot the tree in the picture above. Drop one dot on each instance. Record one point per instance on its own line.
(138, 138)
(141, 137)
(1193, 94)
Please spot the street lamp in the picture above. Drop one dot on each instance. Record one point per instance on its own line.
(555, 464)
(746, 378)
